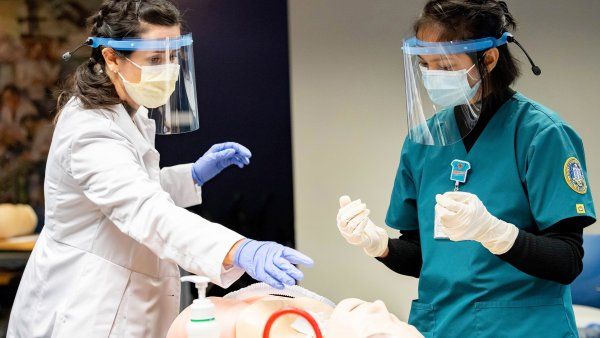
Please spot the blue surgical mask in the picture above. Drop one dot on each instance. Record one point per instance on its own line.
(449, 88)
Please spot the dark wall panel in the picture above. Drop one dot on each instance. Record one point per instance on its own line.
(242, 74)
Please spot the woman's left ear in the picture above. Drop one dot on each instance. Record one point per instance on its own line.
(110, 59)
(490, 59)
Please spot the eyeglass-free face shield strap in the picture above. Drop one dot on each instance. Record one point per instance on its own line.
(414, 46)
(133, 44)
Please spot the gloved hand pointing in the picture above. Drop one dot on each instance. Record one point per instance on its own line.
(355, 226)
(217, 158)
(270, 262)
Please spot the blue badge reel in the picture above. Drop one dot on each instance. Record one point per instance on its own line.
(458, 175)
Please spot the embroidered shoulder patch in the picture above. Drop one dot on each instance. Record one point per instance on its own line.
(574, 175)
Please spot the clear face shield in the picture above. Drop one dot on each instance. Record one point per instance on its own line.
(443, 88)
(162, 79)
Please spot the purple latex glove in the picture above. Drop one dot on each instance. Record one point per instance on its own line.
(217, 158)
(271, 262)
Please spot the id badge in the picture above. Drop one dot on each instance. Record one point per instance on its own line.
(438, 233)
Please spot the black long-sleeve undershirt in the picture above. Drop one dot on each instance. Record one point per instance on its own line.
(555, 254)
(404, 254)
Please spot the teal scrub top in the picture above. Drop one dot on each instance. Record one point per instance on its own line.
(528, 168)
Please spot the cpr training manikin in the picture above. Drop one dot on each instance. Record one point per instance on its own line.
(246, 312)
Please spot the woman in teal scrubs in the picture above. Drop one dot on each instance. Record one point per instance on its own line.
(491, 193)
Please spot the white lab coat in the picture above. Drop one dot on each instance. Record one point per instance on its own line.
(105, 264)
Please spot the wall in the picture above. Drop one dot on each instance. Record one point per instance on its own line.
(348, 117)
(242, 80)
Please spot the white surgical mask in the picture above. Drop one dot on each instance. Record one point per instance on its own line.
(156, 85)
(449, 88)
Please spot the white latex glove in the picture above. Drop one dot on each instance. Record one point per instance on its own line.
(356, 227)
(464, 217)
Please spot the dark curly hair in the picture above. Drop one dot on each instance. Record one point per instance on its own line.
(115, 19)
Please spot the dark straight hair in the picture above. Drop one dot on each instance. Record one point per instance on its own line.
(115, 19)
(473, 19)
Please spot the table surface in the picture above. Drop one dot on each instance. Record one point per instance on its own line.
(586, 315)
(14, 253)
(21, 243)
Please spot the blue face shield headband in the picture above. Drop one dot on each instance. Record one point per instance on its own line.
(135, 44)
(414, 46)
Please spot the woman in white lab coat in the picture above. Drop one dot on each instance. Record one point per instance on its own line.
(106, 262)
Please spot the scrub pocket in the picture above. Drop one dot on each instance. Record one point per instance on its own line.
(522, 318)
(422, 316)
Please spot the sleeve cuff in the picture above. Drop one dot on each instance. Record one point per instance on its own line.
(582, 220)
(228, 275)
(178, 182)
(198, 192)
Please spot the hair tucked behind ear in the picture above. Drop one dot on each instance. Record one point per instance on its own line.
(473, 19)
(115, 19)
